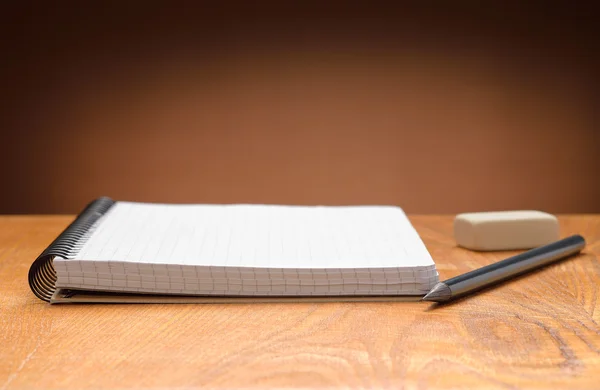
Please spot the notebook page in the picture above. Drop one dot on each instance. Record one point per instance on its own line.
(259, 236)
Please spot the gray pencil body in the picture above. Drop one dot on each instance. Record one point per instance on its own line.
(505, 269)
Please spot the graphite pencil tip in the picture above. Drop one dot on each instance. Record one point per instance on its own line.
(439, 293)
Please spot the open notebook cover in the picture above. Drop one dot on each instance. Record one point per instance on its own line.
(144, 252)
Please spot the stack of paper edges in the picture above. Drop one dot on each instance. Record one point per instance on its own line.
(182, 279)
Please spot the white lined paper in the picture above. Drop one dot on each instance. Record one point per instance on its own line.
(254, 243)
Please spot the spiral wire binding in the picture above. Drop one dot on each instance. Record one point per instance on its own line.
(42, 276)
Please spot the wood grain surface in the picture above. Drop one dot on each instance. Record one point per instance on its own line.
(540, 331)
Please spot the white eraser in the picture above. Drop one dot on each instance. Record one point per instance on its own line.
(505, 230)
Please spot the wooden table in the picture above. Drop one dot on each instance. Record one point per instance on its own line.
(540, 331)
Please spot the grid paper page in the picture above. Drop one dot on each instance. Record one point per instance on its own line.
(255, 236)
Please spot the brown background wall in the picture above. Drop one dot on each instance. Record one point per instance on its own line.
(439, 109)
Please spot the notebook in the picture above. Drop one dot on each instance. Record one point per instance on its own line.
(117, 251)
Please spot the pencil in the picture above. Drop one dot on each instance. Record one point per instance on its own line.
(505, 269)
